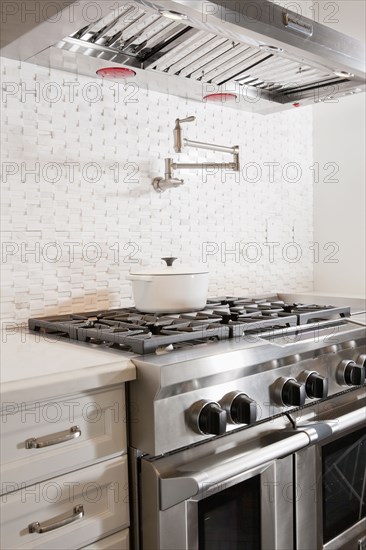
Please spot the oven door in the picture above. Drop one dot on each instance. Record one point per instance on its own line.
(227, 494)
(331, 484)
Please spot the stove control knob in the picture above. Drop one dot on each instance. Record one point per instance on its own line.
(207, 417)
(289, 392)
(350, 374)
(239, 407)
(316, 386)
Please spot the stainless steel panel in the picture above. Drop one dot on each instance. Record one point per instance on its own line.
(167, 386)
(309, 508)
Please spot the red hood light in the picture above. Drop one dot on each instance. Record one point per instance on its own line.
(116, 72)
(220, 97)
(297, 104)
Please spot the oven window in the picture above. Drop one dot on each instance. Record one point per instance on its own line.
(344, 484)
(230, 519)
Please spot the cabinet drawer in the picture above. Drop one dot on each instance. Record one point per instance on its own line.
(119, 541)
(62, 435)
(102, 491)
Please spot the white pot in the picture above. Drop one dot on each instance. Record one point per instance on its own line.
(171, 289)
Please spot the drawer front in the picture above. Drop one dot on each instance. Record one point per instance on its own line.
(119, 541)
(62, 435)
(98, 493)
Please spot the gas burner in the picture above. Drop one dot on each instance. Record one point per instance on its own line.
(249, 310)
(221, 319)
(131, 330)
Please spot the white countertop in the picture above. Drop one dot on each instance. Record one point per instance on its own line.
(36, 366)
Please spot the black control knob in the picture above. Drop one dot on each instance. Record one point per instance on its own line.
(240, 408)
(243, 410)
(207, 417)
(316, 386)
(212, 419)
(293, 393)
(354, 375)
(350, 374)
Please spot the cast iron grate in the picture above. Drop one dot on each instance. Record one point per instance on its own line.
(221, 319)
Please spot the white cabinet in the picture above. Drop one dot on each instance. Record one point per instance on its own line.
(44, 439)
(92, 502)
(64, 481)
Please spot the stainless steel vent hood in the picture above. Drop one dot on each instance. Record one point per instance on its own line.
(266, 57)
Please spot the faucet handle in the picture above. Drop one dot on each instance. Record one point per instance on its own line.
(178, 132)
(188, 119)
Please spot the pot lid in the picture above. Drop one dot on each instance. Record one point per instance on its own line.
(169, 269)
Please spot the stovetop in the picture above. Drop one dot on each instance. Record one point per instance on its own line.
(223, 318)
(268, 354)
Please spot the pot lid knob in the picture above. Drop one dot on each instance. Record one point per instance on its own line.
(169, 261)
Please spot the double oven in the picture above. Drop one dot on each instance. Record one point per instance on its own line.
(285, 484)
(295, 479)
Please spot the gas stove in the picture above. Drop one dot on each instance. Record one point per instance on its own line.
(235, 363)
(227, 402)
(223, 318)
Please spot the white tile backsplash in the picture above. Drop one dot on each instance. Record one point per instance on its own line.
(78, 208)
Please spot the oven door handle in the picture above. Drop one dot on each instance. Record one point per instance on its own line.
(202, 476)
(321, 430)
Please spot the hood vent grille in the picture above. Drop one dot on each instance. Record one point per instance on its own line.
(153, 42)
(186, 56)
(266, 56)
(133, 31)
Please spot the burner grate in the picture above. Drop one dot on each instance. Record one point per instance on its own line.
(222, 318)
(127, 328)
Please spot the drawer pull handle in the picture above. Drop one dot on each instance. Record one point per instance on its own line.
(59, 521)
(48, 440)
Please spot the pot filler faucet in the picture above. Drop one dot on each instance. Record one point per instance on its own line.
(168, 181)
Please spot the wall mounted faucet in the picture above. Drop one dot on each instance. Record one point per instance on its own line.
(168, 181)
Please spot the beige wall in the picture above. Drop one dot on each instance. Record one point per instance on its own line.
(339, 137)
(339, 208)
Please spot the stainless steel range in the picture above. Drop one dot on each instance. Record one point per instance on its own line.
(247, 423)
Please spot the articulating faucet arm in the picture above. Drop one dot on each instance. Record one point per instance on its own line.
(161, 184)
